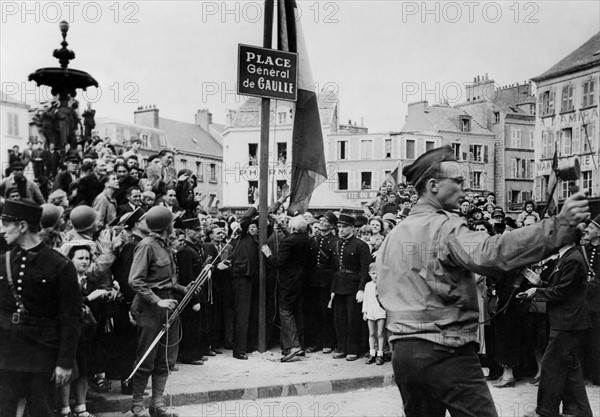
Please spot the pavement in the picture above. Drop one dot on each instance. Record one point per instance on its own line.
(263, 375)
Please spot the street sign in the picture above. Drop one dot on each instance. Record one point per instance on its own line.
(267, 73)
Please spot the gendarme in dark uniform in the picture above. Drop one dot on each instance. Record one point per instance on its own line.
(321, 267)
(352, 259)
(40, 317)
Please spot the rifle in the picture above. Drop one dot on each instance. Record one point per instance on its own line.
(192, 288)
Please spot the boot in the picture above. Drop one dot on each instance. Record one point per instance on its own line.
(138, 387)
(157, 405)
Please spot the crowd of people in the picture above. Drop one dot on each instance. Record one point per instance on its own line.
(138, 236)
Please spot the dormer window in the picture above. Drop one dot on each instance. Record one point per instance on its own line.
(465, 124)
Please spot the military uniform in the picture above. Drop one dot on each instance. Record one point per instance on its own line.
(33, 344)
(153, 277)
(352, 258)
(591, 346)
(320, 331)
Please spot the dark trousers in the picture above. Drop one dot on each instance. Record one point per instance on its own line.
(223, 310)
(36, 388)
(591, 349)
(348, 323)
(321, 331)
(434, 378)
(242, 296)
(189, 347)
(561, 379)
(125, 333)
(292, 324)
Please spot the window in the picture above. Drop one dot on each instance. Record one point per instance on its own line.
(145, 143)
(280, 187)
(13, 124)
(532, 109)
(456, 149)
(342, 180)
(429, 146)
(366, 149)
(547, 103)
(531, 139)
(476, 180)
(567, 141)
(565, 190)
(410, 149)
(518, 168)
(478, 153)
(577, 142)
(515, 136)
(388, 148)
(282, 152)
(465, 124)
(252, 188)
(586, 181)
(365, 180)
(589, 97)
(213, 173)
(531, 170)
(199, 173)
(514, 196)
(281, 117)
(252, 154)
(342, 152)
(496, 117)
(567, 99)
(588, 136)
(183, 163)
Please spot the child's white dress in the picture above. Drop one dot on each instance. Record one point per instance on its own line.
(370, 304)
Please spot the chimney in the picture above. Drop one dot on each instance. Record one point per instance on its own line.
(146, 116)
(203, 119)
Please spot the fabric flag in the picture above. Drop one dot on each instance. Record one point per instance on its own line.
(308, 154)
(394, 177)
(553, 184)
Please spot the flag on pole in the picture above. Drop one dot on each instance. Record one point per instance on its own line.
(552, 185)
(308, 154)
(394, 177)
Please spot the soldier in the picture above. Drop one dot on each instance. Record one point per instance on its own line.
(425, 284)
(321, 331)
(591, 240)
(352, 259)
(40, 314)
(153, 278)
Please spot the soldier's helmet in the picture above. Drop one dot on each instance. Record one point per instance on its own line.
(50, 215)
(158, 218)
(83, 218)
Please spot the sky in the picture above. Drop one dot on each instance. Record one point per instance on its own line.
(378, 56)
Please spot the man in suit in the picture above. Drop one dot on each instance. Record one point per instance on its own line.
(64, 179)
(569, 317)
(591, 348)
(291, 261)
(162, 175)
(134, 200)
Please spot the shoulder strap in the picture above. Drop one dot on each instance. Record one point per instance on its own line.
(11, 284)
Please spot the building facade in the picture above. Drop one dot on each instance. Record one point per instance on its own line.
(241, 147)
(473, 144)
(509, 113)
(567, 119)
(14, 124)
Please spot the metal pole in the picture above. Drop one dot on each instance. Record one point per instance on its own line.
(263, 187)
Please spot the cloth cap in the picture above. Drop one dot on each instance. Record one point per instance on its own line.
(346, 219)
(417, 170)
(20, 210)
(360, 221)
(498, 212)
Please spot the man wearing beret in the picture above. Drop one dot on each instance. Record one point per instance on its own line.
(26, 188)
(352, 258)
(153, 278)
(40, 314)
(320, 331)
(426, 286)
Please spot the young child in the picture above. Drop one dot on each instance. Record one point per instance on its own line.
(375, 315)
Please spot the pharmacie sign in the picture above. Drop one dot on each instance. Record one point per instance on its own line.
(267, 73)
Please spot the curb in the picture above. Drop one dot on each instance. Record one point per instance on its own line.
(123, 403)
